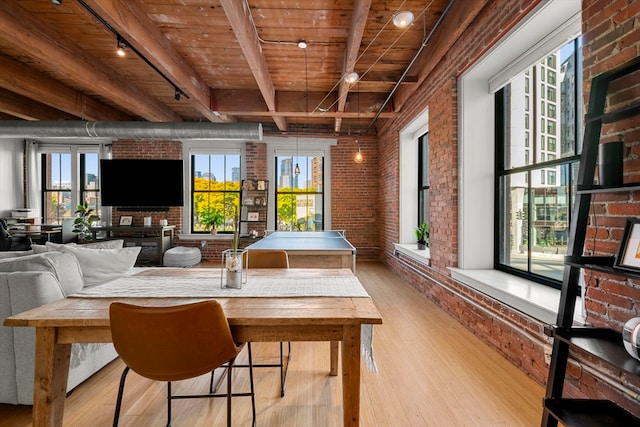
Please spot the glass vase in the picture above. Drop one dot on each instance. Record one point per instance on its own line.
(234, 271)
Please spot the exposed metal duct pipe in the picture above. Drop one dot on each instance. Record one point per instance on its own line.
(131, 130)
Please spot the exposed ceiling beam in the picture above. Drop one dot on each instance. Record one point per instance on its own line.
(238, 15)
(358, 23)
(27, 109)
(30, 83)
(40, 41)
(140, 31)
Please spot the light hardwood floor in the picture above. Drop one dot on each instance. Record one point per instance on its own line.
(432, 372)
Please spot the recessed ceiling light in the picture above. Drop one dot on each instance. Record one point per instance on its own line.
(403, 19)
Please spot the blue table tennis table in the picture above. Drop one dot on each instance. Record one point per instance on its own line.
(312, 249)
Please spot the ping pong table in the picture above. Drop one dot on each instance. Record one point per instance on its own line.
(312, 249)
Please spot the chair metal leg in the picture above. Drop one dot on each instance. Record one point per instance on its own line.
(229, 379)
(284, 369)
(253, 395)
(168, 403)
(116, 415)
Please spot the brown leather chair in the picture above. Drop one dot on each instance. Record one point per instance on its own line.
(272, 259)
(172, 343)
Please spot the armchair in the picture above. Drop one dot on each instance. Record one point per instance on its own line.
(15, 242)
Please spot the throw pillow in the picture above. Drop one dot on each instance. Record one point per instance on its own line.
(102, 265)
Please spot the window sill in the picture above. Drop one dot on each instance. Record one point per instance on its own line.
(422, 256)
(538, 301)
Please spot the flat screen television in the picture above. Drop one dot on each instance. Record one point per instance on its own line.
(141, 183)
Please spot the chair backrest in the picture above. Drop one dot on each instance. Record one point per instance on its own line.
(258, 258)
(170, 343)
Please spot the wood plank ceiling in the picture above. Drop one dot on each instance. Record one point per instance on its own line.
(230, 61)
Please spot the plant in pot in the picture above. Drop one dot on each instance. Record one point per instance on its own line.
(422, 235)
(211, 219)
(82, 224)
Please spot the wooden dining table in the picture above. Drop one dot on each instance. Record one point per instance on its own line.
(260, 319)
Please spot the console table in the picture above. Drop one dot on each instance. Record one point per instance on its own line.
(154, 239)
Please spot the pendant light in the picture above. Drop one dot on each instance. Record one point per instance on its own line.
(302, 45)
(358, 157)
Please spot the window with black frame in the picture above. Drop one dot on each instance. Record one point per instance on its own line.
(299, 193)
(538, 142)
(215, 197)
(61, 190)
(423, 179)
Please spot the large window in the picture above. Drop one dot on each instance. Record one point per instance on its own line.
(70, 176)
(536, 181)
(299, 193)
(423, 179)
(216, 190)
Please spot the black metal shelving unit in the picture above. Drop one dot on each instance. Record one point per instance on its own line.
(605, 344)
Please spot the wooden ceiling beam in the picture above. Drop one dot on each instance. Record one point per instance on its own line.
(30, 34)
(30, 83)
(243, 28)
(358, 23)
(140, 31)
(27, 109)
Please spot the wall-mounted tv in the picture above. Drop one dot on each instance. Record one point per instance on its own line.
(141, 183)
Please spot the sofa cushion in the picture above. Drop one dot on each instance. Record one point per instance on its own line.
(102, 265)
(15, 254)
(64, 266)
(103, 244)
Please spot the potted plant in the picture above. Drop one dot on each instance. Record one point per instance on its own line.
(211, 219)
(422, 235)
(82, 224)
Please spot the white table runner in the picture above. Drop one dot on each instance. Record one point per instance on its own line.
(199, 287)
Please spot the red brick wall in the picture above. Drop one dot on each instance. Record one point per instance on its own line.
(355, 194)
(612, 37)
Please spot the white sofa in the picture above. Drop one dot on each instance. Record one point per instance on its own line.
(28, 280)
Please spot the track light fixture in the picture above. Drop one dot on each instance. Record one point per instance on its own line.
(177, 95)
(403, 19)
(121, 46)
(56, 2)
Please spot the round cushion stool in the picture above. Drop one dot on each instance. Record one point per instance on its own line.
(181, 256)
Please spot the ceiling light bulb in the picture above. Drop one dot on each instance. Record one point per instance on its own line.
(122, 45)
(351, 77)
(296, 171)
(358, 157)
(403, 19)
(56, 2)
(120, 52)
(302, 44)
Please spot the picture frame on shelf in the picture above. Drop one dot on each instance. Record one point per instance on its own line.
(253, 216)
(248, 201)
(628, 257)
(126, 220)
(249, 185)
(262, 185)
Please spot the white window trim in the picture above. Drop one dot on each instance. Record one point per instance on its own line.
(558, 21)
(408, 179)
(305, 146)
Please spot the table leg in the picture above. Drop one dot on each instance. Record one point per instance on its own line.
(50, 379)
(334, 358)
(351, 375)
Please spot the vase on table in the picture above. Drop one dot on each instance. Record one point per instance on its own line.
(234, 272)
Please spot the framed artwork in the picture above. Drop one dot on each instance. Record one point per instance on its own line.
(253, 216)
(257, 201)
(126, 220)
(248, 185)
(248, 201)
(628, 257)
(262, 185)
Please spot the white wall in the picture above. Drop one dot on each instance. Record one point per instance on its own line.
(11, 175)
